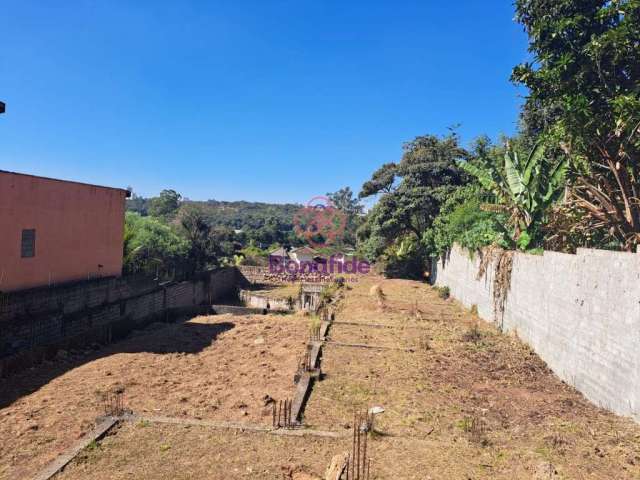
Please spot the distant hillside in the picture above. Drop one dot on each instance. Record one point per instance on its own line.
(262, 224)
(242, 215)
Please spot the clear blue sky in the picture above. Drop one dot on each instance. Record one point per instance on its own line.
(263, 100)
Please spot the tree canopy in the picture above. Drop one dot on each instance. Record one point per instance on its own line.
(584, 98)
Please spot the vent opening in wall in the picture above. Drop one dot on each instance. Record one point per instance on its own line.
(28, 245)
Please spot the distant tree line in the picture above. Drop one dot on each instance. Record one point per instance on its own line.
(168, 234)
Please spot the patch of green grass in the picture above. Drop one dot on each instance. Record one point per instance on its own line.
(443, 292)
(545, 452)
(93, 445)
(465, 424)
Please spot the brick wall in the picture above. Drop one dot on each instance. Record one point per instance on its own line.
(580, 313)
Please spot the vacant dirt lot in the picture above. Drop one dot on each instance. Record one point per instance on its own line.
(164, 452)
(217, 367)
(461, 400)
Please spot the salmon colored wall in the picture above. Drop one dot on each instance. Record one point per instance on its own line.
(78, 227)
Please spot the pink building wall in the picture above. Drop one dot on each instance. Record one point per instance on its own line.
(78, 228)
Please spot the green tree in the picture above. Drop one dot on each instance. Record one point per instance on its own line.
(428, 173)
(203, 252)
(166, 204)
(151, 246)
(584, 97)
(464, 221)
(411, 196)
(345, 201)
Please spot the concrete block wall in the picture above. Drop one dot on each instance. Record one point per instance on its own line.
(222, 283)
(258, 301)
(252, 274)
(70, 298)
(34, 324)
(580, 313)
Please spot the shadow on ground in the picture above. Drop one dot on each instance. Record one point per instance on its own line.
(159, 338)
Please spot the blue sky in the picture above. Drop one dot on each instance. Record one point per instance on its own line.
(263, 100)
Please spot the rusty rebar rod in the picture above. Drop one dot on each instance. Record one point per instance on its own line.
(290, 410)
(364, 453)
(273, 423)
(279, 412)
(353, 448)
(359, 433)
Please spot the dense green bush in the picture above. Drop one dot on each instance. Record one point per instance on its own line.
(463, 220)
(151, 246)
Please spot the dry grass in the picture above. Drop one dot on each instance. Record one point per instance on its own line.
(461, 401)
(218, 367)
(169, 452)
(475, 404)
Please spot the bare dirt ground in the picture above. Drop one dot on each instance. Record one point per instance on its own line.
(165, 452)
(216, 367)
(461, 401)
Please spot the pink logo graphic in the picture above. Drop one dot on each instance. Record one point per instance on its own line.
(319, 223)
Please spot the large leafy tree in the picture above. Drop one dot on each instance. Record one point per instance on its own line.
(345, 201)
(411, 192)
(584, 84)
(167, 203)
(204, 251)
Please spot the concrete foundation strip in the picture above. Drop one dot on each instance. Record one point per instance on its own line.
(102, 427)
(232, 426)
(373, 347)
(303, 388)
(302, 393)
(379, 325)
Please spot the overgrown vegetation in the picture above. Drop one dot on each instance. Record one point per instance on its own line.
(168, 234)
(567, 179)
(443, 292)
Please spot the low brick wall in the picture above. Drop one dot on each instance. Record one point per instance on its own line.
(37, 323)
(580, 313)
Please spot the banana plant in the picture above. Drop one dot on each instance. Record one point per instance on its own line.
(524, 187)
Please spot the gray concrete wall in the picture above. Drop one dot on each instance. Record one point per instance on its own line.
(580, 313)
(250, 299)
